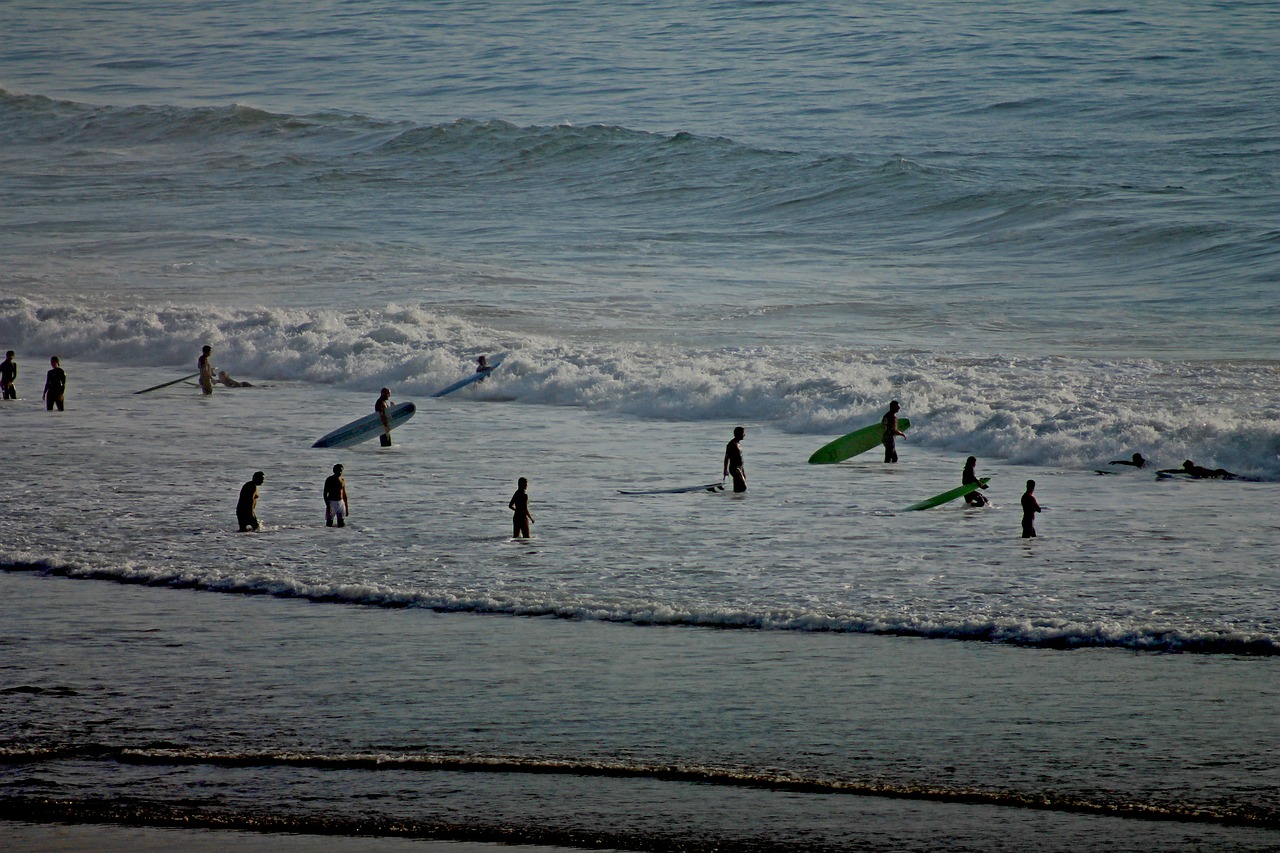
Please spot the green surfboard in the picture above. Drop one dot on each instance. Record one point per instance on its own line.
(848, 446)
(950, 495)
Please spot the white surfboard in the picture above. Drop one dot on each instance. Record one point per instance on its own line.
(363, 429)
(717, 486)
(475, 377)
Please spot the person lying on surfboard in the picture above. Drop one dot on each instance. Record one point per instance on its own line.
(1137, 462)
(224, 378)
(1199, 472)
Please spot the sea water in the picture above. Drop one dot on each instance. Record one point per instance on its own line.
(1049, 232)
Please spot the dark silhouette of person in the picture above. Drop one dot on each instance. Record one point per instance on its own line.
(55, 386)
(891, 432)
(1137, 461)
(519, 505)
(247, 506)
(733, 465)
(1030, 506)
(974, 498)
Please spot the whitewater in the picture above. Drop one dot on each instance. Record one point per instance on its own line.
(1049, 233)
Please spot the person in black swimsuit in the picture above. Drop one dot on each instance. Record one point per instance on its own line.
(519, 504)
(733, 466)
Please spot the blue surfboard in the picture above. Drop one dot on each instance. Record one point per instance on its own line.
(367, 427)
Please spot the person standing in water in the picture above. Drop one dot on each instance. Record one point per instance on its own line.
(9, 375)
(1030, 506)
(55, 386)
(974, 498)
(891, 432)
(519, 504)
(247, 505)
(336, 507)
(733, 465)
(382, 407)
(205, 365)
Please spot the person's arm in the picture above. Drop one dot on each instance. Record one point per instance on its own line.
(345, 505)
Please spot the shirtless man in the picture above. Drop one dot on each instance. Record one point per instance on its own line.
(519, 505)
(336, 507)
(891, 432)
(383, 404)
(205, 366)
(733, 466)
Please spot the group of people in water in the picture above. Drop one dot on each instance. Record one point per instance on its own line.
(55, 382)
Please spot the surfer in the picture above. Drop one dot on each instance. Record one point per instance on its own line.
(1137, 462)
(891, 432)
(973, 498)
(205, 366)
(733, 466)
(336, 507)
(1199, 472)
(9, 375)
(55, 386)
(247, 506)
(519, 504)
(1030, 506)
(482, 364)
(224, 378)
(381, 406)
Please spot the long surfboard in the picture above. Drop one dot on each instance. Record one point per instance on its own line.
(717, 486)
(167, 384)
(848, 446)
(949, 495)
(475, 377)
(363, 429)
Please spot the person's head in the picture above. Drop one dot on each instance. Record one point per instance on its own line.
(1188, 464)
(1138, 460)
(259, 478)
(739, 432)
(894, 405)
(9, 354)
(523, 483)
(970, 462)
(1031, 486)
(337, 469)
(386, 392)
(207, 349)
(482, 361)
(53, 360)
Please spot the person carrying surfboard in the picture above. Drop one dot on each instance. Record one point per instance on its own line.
(205, 366)
(733, 465)
(891, 432)
(381, 406)
(970, 476)
(519, 504)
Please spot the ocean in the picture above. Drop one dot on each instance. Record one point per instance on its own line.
(1050, 231)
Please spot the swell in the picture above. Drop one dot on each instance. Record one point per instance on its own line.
(781, 782)
(1028, 633)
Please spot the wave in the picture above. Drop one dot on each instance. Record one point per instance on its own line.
(1071, 412)
(782, 782)
(1052, 633)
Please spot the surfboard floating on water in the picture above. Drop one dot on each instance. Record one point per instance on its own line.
(848, 446)
(167, 384)
(475, 377)
(705, 487)
(363, 429)
(949, 495)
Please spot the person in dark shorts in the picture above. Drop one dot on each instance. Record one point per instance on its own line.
(247, 506)
(733, 466)
(519, 505)
(336, 508)
(1030, 506)
(974, 498)
(55, 386)
(891, 432)
(382, 406)
(9, 375)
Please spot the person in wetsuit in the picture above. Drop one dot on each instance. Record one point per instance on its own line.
(9, 375)
(1030, 506)
(247, 505)
(519, 505)
(1137, 462)
(1199, 472)
(55, 386)
(891, 432)
(733, 465)
(974, 498)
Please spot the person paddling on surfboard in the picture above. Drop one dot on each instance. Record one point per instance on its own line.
(1138, 461)
(733, 466)
(381, 406)
(1199, 472)
(974, 498)
(891, 432)
(519, 504)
